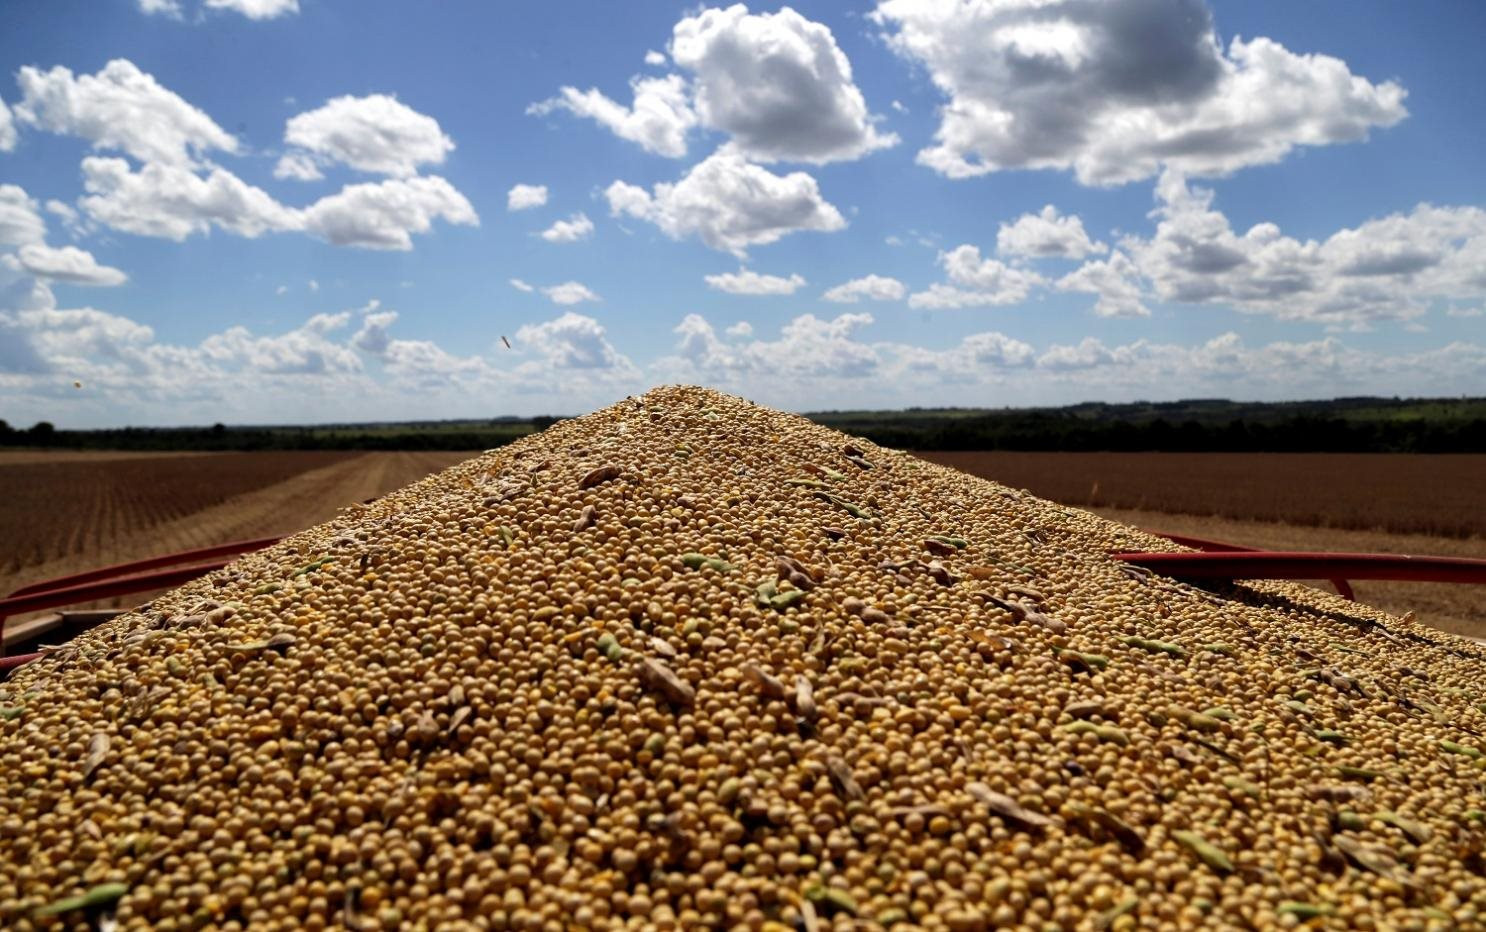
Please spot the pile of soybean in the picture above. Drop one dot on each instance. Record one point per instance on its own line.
(688, 662)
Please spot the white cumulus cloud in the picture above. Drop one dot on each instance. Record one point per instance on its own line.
(306, 350)
(520, 285)
(658, 118)
(575, 228)
(7, 128)
(777, 83)
(749, 282)
(1046, 234)
(569, 293)
(729, 204)
(1389, 268)
(120, 108)
(526, 196)
(172, 202)
(572, 341)
(809, 348)
(376, 133)
(1114, 91)
(252, 9)
(299, 166)
(171, 8)
(977, 282)
(20, 221)
(1116, 282)
(385, 214)
(67, 264)
(870, 287)
(256, 9)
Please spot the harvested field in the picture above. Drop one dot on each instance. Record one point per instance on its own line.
(14, 456)
(84, 512)
(1440, 495)
(691, 663)
(73, 506)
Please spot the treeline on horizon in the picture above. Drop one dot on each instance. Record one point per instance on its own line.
(430, 435)
(1344, 425)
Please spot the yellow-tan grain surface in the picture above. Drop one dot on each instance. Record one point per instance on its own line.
(688, 662)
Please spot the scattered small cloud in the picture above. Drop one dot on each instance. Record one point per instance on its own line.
(252, 9)
(1115, 281)
(1045, 235)
(749, 282)
(870, 287)
(20, 221)
(658, 119)
(386, 214)
(976, 282)
(569, 293)
(520, 285)
(729, 204)
(256, 9)
(377, 134)
(573, 342)
(8, 134)
(67, 264)
(169, 8)
(526, 196)
(577, 227)
(300, 166)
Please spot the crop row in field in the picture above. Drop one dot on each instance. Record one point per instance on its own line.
(55, 509)
(1441, 495)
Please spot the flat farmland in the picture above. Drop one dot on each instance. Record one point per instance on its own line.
(72, 512)
(64, 512)
(1437, 495)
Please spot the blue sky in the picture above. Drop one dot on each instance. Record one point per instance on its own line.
(278, 211)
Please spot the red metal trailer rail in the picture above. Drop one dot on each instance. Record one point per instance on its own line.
(136, 576)
(1277, 564)
(1213, 560)
(138, 566)
(1342, 587)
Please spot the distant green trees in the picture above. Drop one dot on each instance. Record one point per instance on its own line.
(220, 437)
(1052, 431)
(1344, 425)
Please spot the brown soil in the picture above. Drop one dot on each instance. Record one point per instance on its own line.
(292, 504)
(1402, 493)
